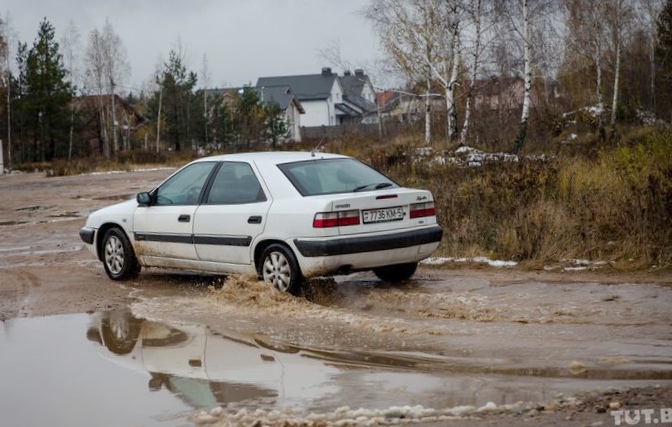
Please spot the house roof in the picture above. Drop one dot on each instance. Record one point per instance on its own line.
(353, 86)
(93, 102)
(347, 110)
(306, 87)
(281, 94)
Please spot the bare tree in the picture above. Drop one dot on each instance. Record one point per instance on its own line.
(71, 46)
(106, 67)
(615, 24)
(95, 83)
(475, 13)
(528, 28)
(410, 32)
(6, 40)
(450, 59)
(117, 68)
(589, 39)
(205, 78)
(649, 11)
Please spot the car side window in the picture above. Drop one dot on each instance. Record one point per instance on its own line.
(235, 184)
(185, 187)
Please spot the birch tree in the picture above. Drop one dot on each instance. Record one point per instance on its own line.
(528, 28)
(617, 21)
(106, 67)
(6, 40)
(589, 39)
(411, 33)
(651, 10)
(450, 59)
(71, 46)
(4, 62)
(205, 78)
(95, 84)
(475, 13)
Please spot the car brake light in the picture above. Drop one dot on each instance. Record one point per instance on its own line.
(421, 210)
(336, 219)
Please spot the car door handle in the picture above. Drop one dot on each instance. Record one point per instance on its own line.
(184, 218)
(255, 219)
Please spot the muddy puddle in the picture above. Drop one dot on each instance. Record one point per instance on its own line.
(355, 349)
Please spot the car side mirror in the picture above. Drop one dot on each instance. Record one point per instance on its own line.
(144, 199)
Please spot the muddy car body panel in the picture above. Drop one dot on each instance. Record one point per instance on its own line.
(320, 214)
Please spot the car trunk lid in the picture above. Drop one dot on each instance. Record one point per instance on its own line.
(385, 210)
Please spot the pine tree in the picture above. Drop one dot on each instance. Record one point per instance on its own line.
(45, 96)
(276, 124)
(178, 85)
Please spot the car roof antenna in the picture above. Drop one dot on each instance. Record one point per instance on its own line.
(317, 147)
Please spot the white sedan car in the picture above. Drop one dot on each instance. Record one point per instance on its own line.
(283, 216)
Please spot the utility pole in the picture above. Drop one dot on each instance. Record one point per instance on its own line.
(158, 121)
(114, 119)
(2, 162)
(9, 89)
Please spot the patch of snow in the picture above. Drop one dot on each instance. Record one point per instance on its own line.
(570, 138)
(648, 117)
(133, 170)
(594, 110)
(575, 268)
(474, 157)
(345, 416)
(478, 259)
(576, 265)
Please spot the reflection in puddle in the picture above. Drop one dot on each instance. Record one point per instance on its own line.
(66, 370)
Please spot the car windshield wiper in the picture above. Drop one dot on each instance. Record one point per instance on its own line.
(378, 186)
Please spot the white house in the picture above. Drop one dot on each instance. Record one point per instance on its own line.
(329, 99)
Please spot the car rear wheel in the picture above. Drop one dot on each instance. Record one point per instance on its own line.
(120, 331)
(396, 273)
(280, 269)
(118, 256)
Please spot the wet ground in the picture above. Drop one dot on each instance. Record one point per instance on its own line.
(452, 346)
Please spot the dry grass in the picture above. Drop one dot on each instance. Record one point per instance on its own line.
(614, 204)
(125, 161)
(608, 203)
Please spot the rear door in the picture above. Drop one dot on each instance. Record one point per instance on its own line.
(233, 213)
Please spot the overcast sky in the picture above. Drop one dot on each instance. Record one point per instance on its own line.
(242, 39)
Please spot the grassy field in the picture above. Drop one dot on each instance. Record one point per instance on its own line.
(613, 205)
(609, 203)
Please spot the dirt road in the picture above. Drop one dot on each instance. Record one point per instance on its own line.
(573, 346)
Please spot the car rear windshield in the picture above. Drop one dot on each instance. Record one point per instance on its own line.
(333, 176)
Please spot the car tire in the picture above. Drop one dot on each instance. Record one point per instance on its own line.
(279, 268)
(118, 257)
(396, 273)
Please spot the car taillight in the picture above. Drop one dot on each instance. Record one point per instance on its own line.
(421, 210)
(336, 219)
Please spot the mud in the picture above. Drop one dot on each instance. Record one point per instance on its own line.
(511, 346)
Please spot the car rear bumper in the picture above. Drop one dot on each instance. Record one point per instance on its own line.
(363, 244)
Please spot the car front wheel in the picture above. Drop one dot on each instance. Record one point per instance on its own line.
(280, 268)
(118, 256)
(396, 273)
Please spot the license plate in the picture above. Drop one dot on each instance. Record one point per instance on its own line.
(383, 215)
